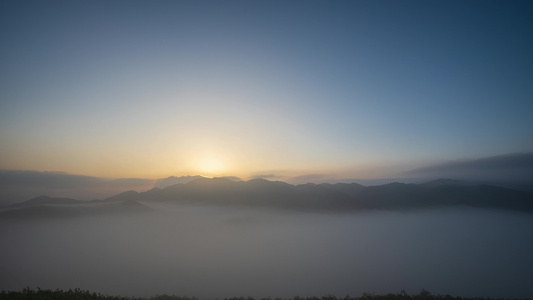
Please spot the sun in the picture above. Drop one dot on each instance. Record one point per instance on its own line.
(210, 165)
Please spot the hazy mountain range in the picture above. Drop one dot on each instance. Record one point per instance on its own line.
(340, 197)
(172, 180)
(17, 186)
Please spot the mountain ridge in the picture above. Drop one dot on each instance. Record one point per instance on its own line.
(340, 197)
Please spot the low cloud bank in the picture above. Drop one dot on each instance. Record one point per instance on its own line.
(516, 167)
(217, 252)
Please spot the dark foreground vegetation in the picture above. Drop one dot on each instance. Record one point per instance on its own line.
(78, 294)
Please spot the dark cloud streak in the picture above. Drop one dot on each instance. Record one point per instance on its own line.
(509, 167)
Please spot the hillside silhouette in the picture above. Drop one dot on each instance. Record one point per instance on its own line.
(262, 193)
(338, 197)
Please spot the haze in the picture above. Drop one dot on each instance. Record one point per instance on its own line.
(216, 252)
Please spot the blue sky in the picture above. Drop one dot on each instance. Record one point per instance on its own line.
(361, 89)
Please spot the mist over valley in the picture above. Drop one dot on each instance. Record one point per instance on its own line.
(215, 238)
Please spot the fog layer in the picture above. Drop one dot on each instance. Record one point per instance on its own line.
(209, 251)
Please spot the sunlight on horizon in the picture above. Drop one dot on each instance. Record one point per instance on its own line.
(210, 164)
(243, 95)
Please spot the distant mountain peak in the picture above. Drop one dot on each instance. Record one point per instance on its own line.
(172, 180)
(123, 195)
(210, 181)
(47, 200)
(258, 180)
(232, 178)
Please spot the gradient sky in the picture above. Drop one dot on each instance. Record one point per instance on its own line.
(362, 89)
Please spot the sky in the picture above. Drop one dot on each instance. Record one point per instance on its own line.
(360, 89)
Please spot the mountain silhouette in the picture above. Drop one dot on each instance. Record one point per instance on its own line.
(41, 200)
(338, 197)
(172, 180)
